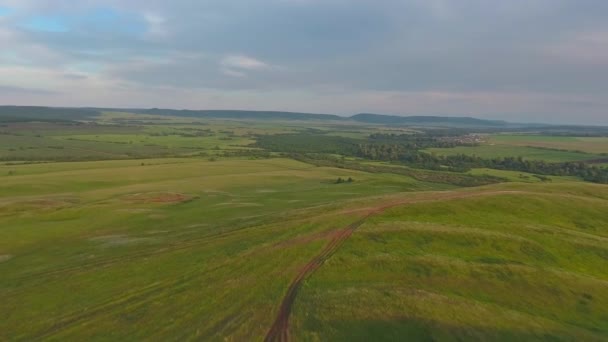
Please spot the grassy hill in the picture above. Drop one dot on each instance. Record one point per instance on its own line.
(502, 263)
(185, 248)
(427, 120)
(22, 113)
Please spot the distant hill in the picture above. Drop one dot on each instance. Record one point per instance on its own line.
(239, 114)
(31, 113)
(426, 120)
(363, 118)
(46, 114)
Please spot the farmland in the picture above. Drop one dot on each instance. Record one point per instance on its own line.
(551, 148)
(147, 227)
(534, 153)
(583, 144)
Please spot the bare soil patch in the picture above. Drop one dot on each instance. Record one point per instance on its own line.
(159, 197)
(37, 204)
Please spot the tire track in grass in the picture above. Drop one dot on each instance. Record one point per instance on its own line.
(280, 328)
(279, 331)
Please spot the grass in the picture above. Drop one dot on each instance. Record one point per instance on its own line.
(518, 176)
(93, 250)
(508, 266)
(584, 144)
(173, 246)
(501, 151)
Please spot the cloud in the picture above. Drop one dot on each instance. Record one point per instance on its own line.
(156, 24)
(545, 58)
(243, 62)
(237, 65)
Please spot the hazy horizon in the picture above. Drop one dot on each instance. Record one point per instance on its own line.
(518, 61)
(343, 115)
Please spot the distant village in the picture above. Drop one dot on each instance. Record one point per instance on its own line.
(469, 139)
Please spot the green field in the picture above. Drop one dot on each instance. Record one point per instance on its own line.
(115, 242)
(584, 144)
(496, 150)
(537, 147)
(140, 227)
(505, 266)
(117, 246)
(519, 177)
(54, 142)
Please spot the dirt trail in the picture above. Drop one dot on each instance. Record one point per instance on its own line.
(279, 331)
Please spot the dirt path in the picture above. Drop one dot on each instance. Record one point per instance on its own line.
(280, 328)
(279, 331)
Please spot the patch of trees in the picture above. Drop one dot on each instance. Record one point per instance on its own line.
(577, 169)
(463, 163)
(341, 180)
(405, 149)
(308, 143)
(408, 141)
(376, 146)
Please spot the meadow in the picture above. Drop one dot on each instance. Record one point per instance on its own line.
(492, 150)
(570, 143)
(142, 227)
(502, 263)
(550, 148)
(106, 244)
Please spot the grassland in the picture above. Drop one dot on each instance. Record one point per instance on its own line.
(156, 232)
(520, 177)
(535, 147)
(491, 150)
(513, 265)
(116, 244)
(584, 144)
(65, 142)
(116, 250)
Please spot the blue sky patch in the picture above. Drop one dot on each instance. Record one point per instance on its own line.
(101, 19)
(4, 11)
(112, 20)
(47, 24)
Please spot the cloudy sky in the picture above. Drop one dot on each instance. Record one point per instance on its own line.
(520, 60)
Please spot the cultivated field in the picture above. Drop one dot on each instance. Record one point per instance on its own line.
(534, 147)
(491, 150)
(583, 144)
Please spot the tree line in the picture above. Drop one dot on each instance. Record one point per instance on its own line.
(407, 149)
(463, 163)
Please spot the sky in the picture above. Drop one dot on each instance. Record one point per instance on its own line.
(517, 60)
